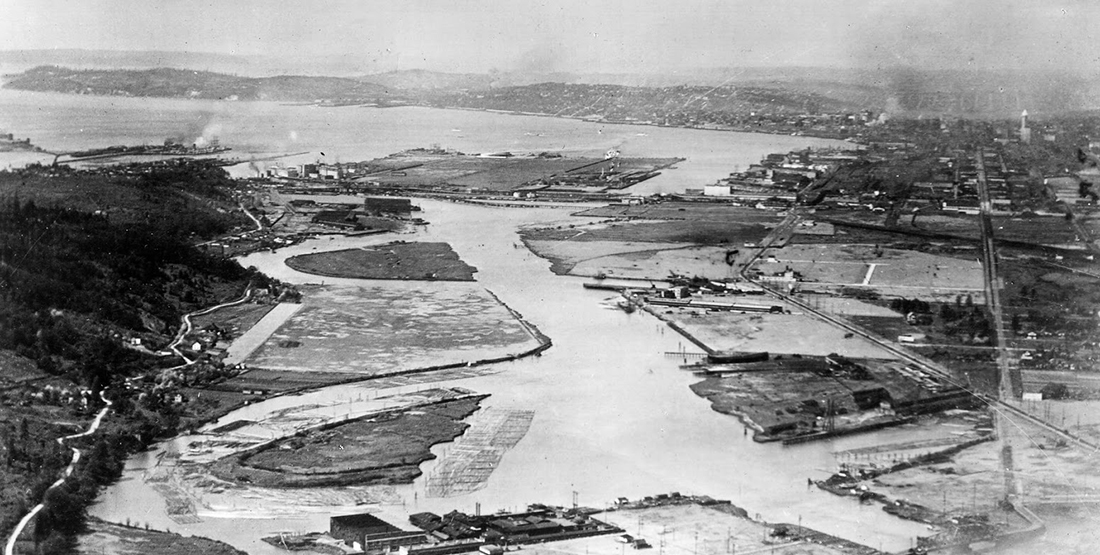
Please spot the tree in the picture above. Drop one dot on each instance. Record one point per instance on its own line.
(1054, 390)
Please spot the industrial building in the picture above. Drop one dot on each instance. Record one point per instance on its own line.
(371, 534)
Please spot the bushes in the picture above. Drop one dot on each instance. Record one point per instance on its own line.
(905, 306)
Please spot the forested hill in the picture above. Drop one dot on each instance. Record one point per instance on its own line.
(84, 254)
(88, 260)
(183, 83)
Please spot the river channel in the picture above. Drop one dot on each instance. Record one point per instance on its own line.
(613, 415)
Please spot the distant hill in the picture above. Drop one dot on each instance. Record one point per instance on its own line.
(15, 61)
(897, 91)
(21, 60)
(423, 80)
(178, 83)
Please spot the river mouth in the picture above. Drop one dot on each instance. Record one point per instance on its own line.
(611, 415)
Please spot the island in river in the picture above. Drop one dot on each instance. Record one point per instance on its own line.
(380, 448)
(397, 260)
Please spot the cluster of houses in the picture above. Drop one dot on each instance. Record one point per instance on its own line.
(780, 177)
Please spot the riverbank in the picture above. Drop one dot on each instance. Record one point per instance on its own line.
(722, 129)
(119, 539)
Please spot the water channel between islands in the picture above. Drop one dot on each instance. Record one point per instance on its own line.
(609, 415)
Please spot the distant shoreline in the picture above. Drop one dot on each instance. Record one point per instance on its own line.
(616, 122)
(382, 106)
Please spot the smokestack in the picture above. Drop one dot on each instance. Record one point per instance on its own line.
(1025, 132)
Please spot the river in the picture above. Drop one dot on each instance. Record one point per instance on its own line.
(613, 416)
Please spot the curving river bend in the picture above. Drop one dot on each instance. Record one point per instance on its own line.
(612, 415)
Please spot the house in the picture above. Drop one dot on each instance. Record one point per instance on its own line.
(717, 190)
(918, 318)
(870, 398)
(678, 292)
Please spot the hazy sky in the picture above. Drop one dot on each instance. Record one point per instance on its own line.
(581, 36)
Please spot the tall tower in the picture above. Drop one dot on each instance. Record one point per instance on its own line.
(1025, 131)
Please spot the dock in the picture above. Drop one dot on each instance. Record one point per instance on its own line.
(714, 305)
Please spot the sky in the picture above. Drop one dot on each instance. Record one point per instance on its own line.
(594, 36)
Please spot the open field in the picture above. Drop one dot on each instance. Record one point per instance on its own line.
(503, 174)
(17, 369)
(842, 306)
(687, 238)
(399, 260)
(254, 336)
(1053, 477)
(105, 537)
(900, 273)
(1070, 529)
(383, 448)
(708, 262)
(774, 333)
(368, 331)
(1081, 418)
(246, 436)
(963, 226)
(656, 231)
(1055, 231)
(233, 319)
(700, 530)
(694, 211)
(633, 260)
